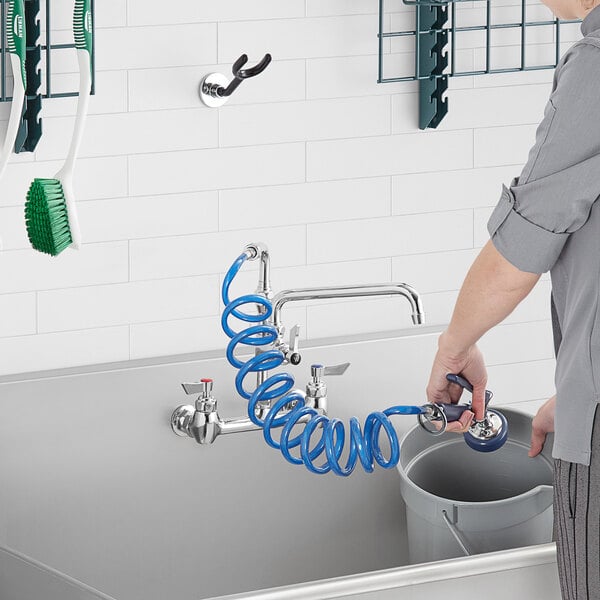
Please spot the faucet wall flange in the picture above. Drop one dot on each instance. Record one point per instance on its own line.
(181, 419)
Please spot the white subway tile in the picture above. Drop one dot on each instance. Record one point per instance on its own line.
(499, 106)
(15, 159)
(177, 87)
(152, 12)
(173, 172)
(434, 271)
(431, 192)
(570, 32)
(189, 335)
(57, 350)
(304, 203)
(111, 95)
(307, 120)
(405, 108)
(535, 307)
(102, 306)
(28, 270)
(13, 231)
(520, 382)
(502, 36)
(299, 38)
(283, 278)
(343, 76)
(107, 14)
(389, 155)
(323, 8)
(91, 180)
(177, 337)
(371, 238)
(156, 47)
(519, 78)
(133, 133)
(509, 57)
(146, 217)
(375, 315)
(402, 22)
(438, 307)
(212, 252)
(494, 146)
(357, 316)
(18, 314)
(481, 217)
(518, 342)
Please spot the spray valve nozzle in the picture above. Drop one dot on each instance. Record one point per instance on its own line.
(486, 435)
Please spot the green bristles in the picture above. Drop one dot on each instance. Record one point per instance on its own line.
(46, 217)
(82, 25)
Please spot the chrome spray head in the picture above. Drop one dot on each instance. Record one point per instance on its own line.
(486, 435)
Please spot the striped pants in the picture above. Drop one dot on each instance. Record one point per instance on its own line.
(577, 523)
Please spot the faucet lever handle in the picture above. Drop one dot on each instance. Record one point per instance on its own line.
(203, 387)
(294, 335)
(290, 351)
(317, 371)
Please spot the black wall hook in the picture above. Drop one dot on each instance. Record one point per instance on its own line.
(215, 89)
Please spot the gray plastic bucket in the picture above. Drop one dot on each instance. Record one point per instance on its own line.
(462, 502)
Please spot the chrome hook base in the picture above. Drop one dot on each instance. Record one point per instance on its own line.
(209, 87)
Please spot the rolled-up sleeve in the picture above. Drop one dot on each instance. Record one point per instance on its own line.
(558, 185)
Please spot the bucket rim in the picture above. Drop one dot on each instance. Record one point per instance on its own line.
(522, 496)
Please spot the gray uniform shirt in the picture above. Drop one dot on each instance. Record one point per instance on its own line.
(548, 219)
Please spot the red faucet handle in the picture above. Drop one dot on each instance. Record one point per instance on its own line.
(203, 387)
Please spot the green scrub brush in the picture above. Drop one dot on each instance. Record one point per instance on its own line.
(50, 213)
(15, 41)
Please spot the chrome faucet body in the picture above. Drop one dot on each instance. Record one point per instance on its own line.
(260, 251)
(202, 421)
(351, 291)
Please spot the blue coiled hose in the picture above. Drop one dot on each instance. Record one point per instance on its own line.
(363, 443)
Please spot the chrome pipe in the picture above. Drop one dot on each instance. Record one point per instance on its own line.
(353, 291)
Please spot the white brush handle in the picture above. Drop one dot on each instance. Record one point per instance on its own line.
(85, 87)
(16, 110)
(65, 175)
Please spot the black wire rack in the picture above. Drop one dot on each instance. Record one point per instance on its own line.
(436, 34)
(39, 72)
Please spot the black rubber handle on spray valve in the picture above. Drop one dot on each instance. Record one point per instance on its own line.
(454, 411)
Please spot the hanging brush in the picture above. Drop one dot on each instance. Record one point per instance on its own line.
(50, 212)
(16, 46)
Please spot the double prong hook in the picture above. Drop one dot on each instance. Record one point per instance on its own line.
(215, 88)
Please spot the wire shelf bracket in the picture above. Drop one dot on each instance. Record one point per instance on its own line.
(435, 36)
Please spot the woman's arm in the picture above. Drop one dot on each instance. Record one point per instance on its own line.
(491, 290)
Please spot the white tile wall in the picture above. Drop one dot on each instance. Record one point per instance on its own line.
(313, 157)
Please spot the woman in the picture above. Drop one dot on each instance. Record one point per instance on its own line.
(548, 219)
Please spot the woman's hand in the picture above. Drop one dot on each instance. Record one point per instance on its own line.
(470, 365)
(543, 424)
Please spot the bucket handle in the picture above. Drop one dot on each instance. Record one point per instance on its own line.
(458, 536)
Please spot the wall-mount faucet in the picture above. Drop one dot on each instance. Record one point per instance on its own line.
(353, 291)
(202, 421)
